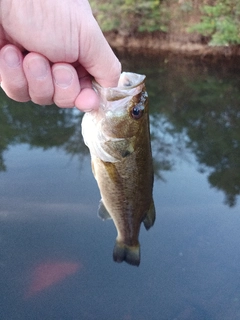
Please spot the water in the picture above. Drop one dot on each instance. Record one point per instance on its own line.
(56, 255)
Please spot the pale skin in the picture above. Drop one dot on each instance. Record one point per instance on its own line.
(50, 50)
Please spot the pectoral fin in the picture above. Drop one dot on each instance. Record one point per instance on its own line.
(150, 217)
(102, 211)
(120, 148)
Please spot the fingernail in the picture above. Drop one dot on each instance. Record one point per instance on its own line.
(62, 76)
(38, 68)
(11, 57)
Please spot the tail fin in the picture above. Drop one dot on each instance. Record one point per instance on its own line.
(123, 252)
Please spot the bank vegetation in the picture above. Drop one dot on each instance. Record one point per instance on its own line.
(185, 25)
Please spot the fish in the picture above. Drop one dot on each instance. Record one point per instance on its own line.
(118, 137)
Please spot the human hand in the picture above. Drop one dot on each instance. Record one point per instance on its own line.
(50, 50)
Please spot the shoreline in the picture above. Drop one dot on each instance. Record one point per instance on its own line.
(155, 43)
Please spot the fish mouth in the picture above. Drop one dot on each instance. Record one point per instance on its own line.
(130, 80)
(113, 99)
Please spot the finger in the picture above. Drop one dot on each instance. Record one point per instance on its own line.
(97, 57)
(66, 85)
(40, 83)
(14, 82)
(87, 99)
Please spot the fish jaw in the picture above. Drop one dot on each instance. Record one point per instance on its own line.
(94, 138)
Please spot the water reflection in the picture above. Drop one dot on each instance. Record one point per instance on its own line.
(199, 103)
(55, 254)
(206, 110)
(44, 127)
(194, 106)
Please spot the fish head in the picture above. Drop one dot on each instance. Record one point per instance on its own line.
(123, 108)
(112, 131)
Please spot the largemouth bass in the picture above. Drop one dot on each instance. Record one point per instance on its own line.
(118, 138)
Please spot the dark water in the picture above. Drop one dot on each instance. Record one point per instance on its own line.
(56, 255)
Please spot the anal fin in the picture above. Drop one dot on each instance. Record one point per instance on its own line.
(102, 211)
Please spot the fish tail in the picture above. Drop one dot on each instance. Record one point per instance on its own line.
(123, 252)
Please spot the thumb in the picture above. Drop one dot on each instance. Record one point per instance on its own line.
(96, 56)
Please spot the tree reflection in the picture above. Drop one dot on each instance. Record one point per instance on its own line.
(206, 108)
(39, 126)
(192, 106)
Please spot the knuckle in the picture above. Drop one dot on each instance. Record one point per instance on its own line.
(64, 103)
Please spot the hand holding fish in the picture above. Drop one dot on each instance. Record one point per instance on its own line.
(50, 50)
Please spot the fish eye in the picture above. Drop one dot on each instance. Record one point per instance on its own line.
(137, 112)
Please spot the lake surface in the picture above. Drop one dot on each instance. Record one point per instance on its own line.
(56, 254)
